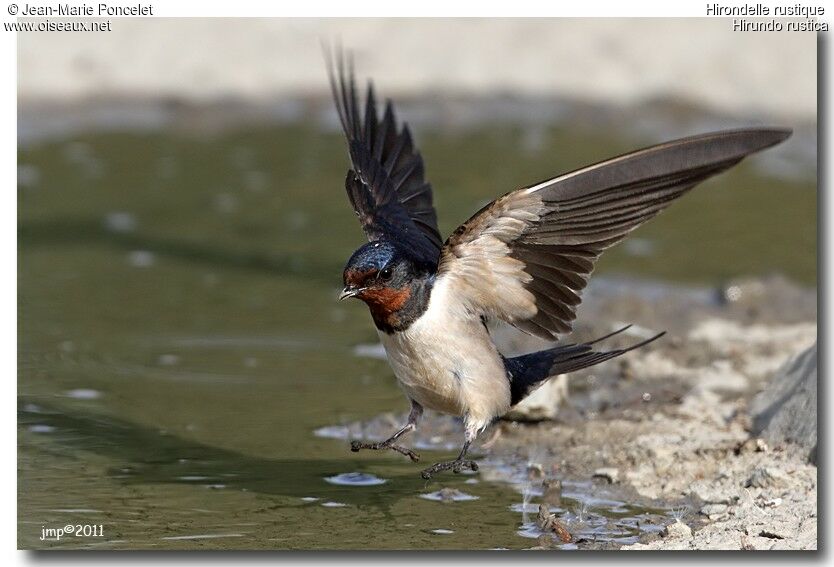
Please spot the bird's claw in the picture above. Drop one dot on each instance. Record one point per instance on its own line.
(455, 466)
(356, 446)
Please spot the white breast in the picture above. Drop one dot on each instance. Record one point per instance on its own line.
(446, 361)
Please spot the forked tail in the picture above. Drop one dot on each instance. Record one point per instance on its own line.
(529, 371)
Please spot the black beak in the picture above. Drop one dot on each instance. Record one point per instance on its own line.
(349, 292)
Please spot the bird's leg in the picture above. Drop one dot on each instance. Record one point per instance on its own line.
(460, 463)
(413, 417)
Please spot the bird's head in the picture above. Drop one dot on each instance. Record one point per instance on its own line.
(379, 274)
(391, 282)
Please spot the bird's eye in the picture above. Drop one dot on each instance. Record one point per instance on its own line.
(386, 274)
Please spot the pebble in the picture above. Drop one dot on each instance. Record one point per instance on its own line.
(786, 410)
(762, 477)
(711, 494)
(448, 495)
(608, 473)
(713, 510)
(548, 522)
(677, 530)
(774, 533)
(754, 445)
(552, 492)
(535, 471)
(772, 503)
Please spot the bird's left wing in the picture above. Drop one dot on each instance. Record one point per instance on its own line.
(526, 257)
(386, 184)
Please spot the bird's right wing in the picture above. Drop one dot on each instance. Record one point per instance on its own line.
(526, 257)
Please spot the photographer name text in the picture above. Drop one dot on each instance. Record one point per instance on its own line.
(87, 10)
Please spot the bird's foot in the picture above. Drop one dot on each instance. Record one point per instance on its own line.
(356, 446)
(455, 466)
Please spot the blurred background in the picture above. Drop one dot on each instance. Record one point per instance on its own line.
(182, 227)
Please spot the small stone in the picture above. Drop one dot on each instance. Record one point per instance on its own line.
(449, 494)
(552, 492)
(733, 293)
(544, 517)
(609, 474)
(561, 531)
(786, 410)
(535, 471)
(761, 446)
(772, 503)
(773, 534)
(548, 522)
(709, 493)
(677, 530)
(762, 477)
(714, 510)
(753, 445)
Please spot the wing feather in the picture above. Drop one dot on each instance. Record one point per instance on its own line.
(526, 257)
(385, 184)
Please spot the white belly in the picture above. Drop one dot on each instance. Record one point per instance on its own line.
(446, 361)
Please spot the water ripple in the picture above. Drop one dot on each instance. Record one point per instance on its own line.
(355, 479)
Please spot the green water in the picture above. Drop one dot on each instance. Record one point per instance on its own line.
(180, 338)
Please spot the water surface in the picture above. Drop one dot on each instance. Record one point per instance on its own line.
(180, 339)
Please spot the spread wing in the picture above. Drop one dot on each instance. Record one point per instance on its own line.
(526, 257)
(386, 185)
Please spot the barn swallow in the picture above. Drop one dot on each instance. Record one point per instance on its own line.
(524, 259)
